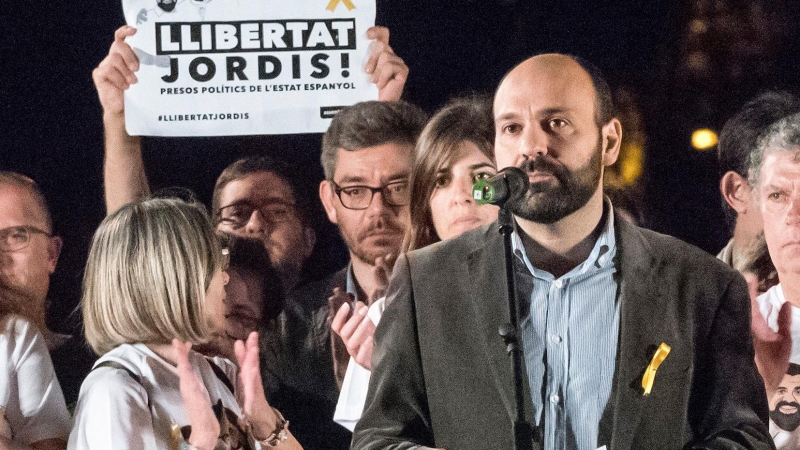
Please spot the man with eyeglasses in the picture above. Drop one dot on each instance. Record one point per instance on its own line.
(28, 256)
(367, 154)
(257, 197)
(33, 413)
(28, 250)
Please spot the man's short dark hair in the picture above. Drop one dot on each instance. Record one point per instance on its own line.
(793, 369)
(368, 124)
(739, 136)
(257, 164)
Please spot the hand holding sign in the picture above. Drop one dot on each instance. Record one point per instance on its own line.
(388, 71)
(115, 74)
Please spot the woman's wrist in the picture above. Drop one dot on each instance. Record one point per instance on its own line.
(272, 432)
(198, 440)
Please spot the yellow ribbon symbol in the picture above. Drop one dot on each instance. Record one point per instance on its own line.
(177, 437)
(334, 3)
(650, 373)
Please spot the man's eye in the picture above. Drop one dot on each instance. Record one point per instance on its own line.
(236, 214)
(278, 210)
(398, 188)
(557, 123)
(441, 181)
(512, 128)
(354, 191)
(17, 234)
(775, 196)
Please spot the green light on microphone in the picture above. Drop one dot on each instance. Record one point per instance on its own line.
(483, 192)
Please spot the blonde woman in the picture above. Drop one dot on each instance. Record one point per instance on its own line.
(155, 283)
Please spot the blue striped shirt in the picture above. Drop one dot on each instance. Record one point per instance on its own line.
(569, 330)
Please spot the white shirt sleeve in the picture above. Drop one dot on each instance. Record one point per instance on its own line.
(30, 393)
(356, 381)
(112, 413)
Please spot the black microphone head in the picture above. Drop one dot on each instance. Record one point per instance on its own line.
(517, 182)
(509, 183)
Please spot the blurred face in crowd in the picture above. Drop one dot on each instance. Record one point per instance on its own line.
(545, 123)
(778, 194)
(377, 227)
(215, 301)
(262, 206)
(784, 408)
(241, 312)
(453, 209)
(25, 271)
(243, 306)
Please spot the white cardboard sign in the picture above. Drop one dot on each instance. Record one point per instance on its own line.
(244, 67)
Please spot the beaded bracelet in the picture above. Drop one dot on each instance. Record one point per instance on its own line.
(277, 436)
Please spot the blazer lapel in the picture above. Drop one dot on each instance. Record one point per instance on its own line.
(641, 326)
(487, 276)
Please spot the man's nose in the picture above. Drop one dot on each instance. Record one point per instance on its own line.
(257, 224)
(534, 142)
(378, 206)
(793, 212)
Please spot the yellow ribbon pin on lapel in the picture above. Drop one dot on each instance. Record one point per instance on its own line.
(347, 3)
(650, 373)
(177, 437)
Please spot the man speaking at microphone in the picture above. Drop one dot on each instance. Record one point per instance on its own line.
(630, 339)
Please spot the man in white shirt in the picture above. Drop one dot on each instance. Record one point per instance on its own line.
(774, 173)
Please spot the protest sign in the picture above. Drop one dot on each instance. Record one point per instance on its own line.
(243, 67)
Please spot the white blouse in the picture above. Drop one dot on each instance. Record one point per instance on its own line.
(30, 396)
(115, 411)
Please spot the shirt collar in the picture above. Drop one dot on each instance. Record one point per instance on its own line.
(601, 256)
(352, 284)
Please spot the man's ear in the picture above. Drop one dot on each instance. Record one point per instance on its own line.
(328, 197)
(309, 239)
(735, 189)
(53, 252)
(612, 140)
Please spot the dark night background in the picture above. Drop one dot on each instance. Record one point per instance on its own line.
(675, 66)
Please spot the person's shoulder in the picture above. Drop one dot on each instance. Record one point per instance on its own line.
(16, 325)
(122, 359)
(458, 248)
(671, 251)
(20, 335)
(117, 373)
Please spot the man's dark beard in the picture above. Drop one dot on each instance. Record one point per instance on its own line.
(786, 422)
(548, 204)
(167, 6)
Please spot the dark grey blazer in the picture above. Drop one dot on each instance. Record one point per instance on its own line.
(441, 376)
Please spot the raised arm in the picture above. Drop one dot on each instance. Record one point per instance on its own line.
(123, 169)
(387, 70)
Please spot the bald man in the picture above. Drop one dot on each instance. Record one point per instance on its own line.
(599, 297)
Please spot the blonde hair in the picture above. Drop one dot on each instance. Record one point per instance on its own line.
(149, 266)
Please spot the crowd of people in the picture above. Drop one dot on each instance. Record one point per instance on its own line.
(209, 337)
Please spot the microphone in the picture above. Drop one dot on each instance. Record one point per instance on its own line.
(508, 184)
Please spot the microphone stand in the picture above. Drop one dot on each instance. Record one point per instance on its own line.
(523, 432)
